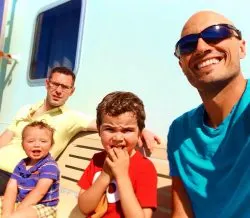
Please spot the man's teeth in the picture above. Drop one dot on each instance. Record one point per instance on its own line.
(208, 62)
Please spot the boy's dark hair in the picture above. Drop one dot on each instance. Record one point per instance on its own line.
(63, 70)
(117, 103)
(40, 125)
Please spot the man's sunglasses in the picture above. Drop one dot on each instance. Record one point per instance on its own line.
(212, 34)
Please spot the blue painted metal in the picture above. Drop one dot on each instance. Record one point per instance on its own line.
(1, 12)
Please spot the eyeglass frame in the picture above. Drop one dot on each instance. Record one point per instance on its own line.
(199, 35)
(54, 85)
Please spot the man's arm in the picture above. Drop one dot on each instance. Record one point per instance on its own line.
(6, 137)
(181, 205)
(149, 138)
(9, 198)
(92, 126)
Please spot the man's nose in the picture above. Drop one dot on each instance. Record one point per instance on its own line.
(202, 46)
(59, 89)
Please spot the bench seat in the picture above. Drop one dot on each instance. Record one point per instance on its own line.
(75, 158)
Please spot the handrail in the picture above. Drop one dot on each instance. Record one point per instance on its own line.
(7, 56)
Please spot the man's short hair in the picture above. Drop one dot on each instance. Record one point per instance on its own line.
(63, 70)
(40, 125)
(117, 103)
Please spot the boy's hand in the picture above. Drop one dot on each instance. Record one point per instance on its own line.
(118, 161)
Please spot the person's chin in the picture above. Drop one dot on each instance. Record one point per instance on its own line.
(56, 103)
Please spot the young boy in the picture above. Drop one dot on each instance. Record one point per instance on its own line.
(33, 188)
(120, 175)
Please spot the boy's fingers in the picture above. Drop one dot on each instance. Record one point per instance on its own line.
(108, 162)
(112, 155)
(125, 150)
(157, 139)
(118, 152)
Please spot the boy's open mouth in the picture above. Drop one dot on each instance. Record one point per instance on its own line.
(36, 152)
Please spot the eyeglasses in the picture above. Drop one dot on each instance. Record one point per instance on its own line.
(54, 85)
(212, 35)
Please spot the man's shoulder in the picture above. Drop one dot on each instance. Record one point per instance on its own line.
(75, 114)
(28, 107)
(189, 116)
(23, 110)
(25, 107)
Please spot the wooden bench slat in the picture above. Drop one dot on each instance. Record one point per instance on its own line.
(163, 182)
(95, 143)
(76, 158)
(71, 173)
(79, 163)
(161, 166)
(73, 186)
(83, 151)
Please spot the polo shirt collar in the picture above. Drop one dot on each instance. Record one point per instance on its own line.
(26, 173)
(36, 106)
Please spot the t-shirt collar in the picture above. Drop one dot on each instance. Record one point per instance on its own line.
(26, 173)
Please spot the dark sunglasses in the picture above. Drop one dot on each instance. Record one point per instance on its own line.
(212, 34)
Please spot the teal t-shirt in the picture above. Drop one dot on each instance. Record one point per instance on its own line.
(214, 163)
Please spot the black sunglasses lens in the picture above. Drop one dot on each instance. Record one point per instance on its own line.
(187, 44)
(216, 34)
(213, 34)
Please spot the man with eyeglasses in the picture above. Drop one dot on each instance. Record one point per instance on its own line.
(66, 122)
(209, 146)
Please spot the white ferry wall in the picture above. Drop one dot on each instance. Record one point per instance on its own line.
(123, 45)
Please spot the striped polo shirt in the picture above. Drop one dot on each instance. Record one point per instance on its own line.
(27, 179)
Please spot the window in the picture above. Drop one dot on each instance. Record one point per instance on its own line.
(56, 39)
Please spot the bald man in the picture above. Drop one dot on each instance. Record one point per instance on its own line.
(209, 146)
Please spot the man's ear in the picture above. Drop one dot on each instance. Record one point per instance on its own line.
(72, 90)
(242, 49)
(47, 83)
(180, 64)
